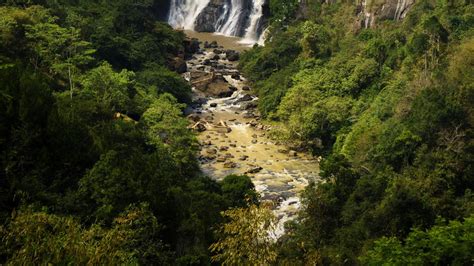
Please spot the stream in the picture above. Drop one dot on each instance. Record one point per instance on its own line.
(232, 138)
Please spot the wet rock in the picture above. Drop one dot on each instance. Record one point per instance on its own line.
(218, 51)
(243, 158)
(293, 153)
(230, 165)
(254, 170)
(194, 117)
(207, 143)
(199, 127)
(207, 62)
(245, 98)
(272, 197)
(232, 88)
(225, 94)
(229, 156)
(233, 145)
(224, 148)
(249, 105)
(214, 105)
(254, 141)
(191, 46)
(232, 55)
(235, 76)
(248, 115)
(221, 159)
(213, 44)
(216, 57)
(283, 151)
(245, 88)
(179, 65)
(210, 151)
(208, 157)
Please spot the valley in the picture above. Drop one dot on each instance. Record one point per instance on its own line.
(234, 139)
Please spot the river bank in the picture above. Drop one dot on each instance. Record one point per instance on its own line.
(233, 139)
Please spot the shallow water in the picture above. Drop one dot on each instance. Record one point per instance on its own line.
(282, 177)
(228, 42)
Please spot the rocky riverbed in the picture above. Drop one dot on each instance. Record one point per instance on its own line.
(233, 139)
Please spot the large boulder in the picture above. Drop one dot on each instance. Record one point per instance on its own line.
(232, 55)
(179, 65)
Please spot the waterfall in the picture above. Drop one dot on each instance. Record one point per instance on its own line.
(231, 17)
(231, 25)
(183, 13)
(251, 33)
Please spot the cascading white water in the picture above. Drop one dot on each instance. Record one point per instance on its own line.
(183, 13)
(251, 33)
(230, 26)
(233, 17)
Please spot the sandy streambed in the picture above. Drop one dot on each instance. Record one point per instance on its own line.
(233, 141)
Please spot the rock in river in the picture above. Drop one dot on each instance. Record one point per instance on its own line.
(230, 165)
(254, 170)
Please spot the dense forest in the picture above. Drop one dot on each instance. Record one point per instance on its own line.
(391, 109)
(98, 166)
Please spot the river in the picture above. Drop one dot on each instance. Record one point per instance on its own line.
(233, 138)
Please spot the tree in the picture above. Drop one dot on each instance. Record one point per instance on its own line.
(246, 239)
(451, 244)
(238, 190)
(60, 50)
(166, 127)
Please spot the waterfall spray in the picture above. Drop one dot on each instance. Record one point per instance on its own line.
(234, 15)
(251, 33)
(183, 13)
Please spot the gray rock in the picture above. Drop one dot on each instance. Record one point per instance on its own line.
(224, 148)
(243, 158)
(245, 98)
(254, 170)
(230, 165)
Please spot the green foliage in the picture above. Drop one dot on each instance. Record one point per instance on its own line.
(91, 125)
(238, 190)
(391, 108)
(315, 40)
(246, 238)
(108, 88)
(161, 80)
(42, 238)
(442, 244)
(282, 11)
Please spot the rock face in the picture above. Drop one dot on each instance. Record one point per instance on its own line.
(370, 11)
(243, 18)
(219, 13)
